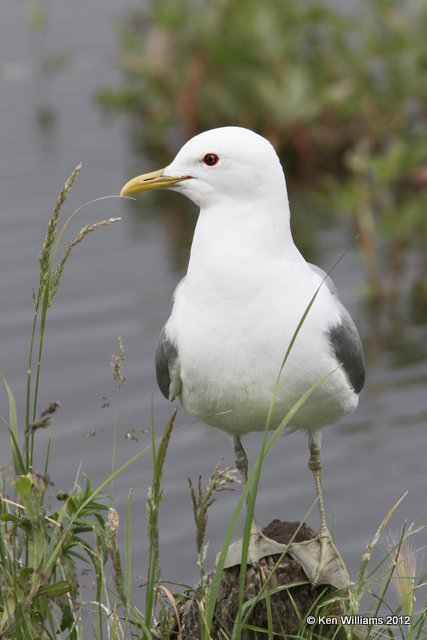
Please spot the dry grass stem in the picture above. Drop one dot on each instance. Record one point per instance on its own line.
(117, 362)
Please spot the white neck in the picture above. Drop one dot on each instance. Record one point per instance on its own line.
(231, 242)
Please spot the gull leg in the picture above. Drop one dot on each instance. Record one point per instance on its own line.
(259, 545)
(319, 557)
(241, 459)
(315, 465)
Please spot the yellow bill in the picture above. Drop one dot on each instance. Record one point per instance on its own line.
(153, 180)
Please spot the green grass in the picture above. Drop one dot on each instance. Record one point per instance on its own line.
(43, 542)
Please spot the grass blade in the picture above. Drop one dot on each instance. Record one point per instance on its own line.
(18, 462)
(128, 549)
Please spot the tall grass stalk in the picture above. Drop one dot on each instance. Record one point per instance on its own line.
(220, 480)
(128, 549)
(359, 587)
(49, 281)
(117, 362)
(155, 494)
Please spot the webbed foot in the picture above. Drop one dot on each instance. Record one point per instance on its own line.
(259, 547)
(321, 561)
(319, 558)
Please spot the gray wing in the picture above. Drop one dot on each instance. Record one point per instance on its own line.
(345, 340)
(168, 368)
(348, 350)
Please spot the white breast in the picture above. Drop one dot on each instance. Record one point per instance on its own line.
(232, 331)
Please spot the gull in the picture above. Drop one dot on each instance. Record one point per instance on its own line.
(238, 310)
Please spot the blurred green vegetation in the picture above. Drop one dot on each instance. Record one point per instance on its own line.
(341, 95)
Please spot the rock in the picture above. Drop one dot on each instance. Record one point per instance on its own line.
(289, 607)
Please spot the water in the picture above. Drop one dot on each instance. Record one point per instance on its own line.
(120, 281)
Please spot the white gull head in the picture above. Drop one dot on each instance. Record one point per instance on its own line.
(227, 163)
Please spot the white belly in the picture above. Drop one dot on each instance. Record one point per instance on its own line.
(231, 351)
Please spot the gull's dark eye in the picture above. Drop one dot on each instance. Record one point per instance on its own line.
(210, 159)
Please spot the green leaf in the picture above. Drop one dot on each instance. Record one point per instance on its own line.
(8, 611)
(24, 577)
(67, 620)
(37, 548)
(24, 485)
(55, 590)
(18, 462)
(9, 517)
(76, 554)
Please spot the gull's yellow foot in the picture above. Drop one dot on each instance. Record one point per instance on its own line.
(321, 561)
(318, 557)
(259, 547)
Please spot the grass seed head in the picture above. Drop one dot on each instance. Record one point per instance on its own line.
(117, 362)
(45, 418)
(53, 225)
(403, 563)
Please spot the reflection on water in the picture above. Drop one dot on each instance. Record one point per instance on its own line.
(120, 283)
